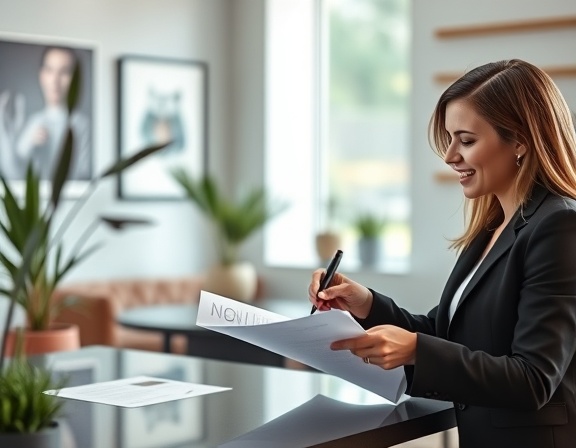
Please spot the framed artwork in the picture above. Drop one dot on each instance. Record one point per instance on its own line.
(34, 78)
(161, 100)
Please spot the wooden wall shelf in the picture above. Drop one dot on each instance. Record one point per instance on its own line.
(553, 71)
(552, 23)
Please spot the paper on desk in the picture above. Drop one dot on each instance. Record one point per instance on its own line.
(319, 420)
(135, 392)
(306, 339)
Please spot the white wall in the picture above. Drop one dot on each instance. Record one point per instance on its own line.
(228, 35)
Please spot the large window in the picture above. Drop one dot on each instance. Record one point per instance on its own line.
(338, 125)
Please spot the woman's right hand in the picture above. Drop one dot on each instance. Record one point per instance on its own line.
(342, 294)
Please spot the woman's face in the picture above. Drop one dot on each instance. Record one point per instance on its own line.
(485, 163)
(56, 75)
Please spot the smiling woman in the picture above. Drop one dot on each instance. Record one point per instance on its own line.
(485, 162)
(504, 330)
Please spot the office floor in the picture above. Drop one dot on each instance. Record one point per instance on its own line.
(433, 441)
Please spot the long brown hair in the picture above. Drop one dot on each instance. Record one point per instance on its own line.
(523, 105)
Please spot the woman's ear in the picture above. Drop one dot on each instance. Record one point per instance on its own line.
(520, 149)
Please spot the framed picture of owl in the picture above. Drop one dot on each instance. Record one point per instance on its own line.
(161, 100)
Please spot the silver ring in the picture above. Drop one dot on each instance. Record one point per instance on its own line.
(366, 360)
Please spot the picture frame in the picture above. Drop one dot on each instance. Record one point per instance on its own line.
(159, 100)
(34, 77)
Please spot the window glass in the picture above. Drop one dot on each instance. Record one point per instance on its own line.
(354, 95)
(367, 120)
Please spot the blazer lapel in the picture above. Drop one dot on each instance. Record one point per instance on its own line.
(464, 264)
(501, 246)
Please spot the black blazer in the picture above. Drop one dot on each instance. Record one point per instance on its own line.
(507, 357)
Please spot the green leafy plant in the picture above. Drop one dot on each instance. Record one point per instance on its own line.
(34, 260)
(48, 262)
(23, 406)
(369, 225)
(234, 221)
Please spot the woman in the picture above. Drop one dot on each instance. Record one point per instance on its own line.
(43, 134)
(501, 342)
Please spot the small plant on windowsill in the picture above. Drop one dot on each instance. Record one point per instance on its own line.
(370, 228)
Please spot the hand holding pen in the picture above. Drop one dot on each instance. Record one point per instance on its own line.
(329, 274)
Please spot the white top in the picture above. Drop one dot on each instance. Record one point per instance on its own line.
(460, 290)
(53, 122)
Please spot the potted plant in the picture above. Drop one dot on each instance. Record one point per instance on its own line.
(33, 255)
(27, 415)
(234, 222)
(27, 219)
(370, 228)
(34, 262)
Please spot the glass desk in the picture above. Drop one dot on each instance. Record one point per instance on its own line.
(277, 406)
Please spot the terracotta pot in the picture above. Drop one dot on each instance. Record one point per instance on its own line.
(327, 244)
(237, 281)
(46, 438)
(60, 337)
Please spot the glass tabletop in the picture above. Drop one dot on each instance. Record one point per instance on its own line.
(284, 406)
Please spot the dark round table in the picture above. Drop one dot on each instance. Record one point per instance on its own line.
(181, 319)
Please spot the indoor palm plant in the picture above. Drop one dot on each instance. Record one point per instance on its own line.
(234, 222)
(34, 261)
(34, 247)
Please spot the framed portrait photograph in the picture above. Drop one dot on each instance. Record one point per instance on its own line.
(35, 75)
(161, 100)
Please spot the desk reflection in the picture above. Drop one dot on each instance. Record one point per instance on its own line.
(265, 400)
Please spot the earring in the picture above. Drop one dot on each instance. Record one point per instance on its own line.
(518, 160)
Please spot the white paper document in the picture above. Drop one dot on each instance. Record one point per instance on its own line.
(306, 339)
(319, 420)
(135, 392)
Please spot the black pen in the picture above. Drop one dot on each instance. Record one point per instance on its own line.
(329, 274)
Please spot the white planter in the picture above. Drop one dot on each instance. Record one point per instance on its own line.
(238, 281)
(369, 251)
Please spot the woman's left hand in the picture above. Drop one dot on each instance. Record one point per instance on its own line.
(386, 346)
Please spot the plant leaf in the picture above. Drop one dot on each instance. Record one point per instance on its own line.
(31, 210)
(15, 231)
(8, 265)
(74, 89)
(131, 160)
(72, 261)
(62, 170)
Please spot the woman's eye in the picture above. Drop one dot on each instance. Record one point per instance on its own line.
(467, 142)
